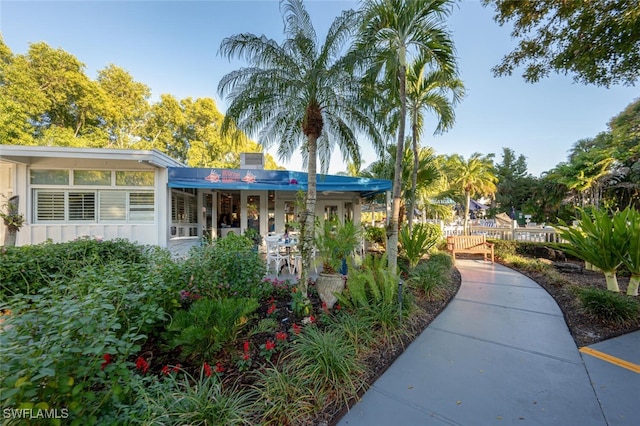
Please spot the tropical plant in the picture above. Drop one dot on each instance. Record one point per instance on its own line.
(597, 240)
(357, 328)
(630, 254)
(471, 177)
(328, 359)
(427, 91)
(607, 307)
(198, 401)
(431, 277)
(287, 397)
(391, 29)
(335, 241)
(414, 245)
(375, 235)
(299, 93)
(210, 325)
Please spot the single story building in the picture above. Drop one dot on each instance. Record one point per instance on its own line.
(145, 196)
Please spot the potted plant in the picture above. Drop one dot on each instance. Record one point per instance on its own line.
(12, 220)
(334, 243)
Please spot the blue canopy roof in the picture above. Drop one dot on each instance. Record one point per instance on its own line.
(277, 180)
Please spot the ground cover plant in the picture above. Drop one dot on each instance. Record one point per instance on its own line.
(121, 336)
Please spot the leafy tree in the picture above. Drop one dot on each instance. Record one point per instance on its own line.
(127, 103)
(596, 41)
(475, 176)
(298, 94)
(391, 30)
(515, 185)
(625, 131)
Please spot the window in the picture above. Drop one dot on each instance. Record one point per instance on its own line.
(80, 206)
(49, 206)
(124, 178)
(49, 177)
(183, 208)
(92, 177)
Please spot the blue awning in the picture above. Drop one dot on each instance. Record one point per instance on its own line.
(277, 180)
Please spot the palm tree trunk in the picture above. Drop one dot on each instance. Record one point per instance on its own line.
(307, 230)
(414, 173)
(465, 228)
(392, 231)
(612, 281)
(634, 282)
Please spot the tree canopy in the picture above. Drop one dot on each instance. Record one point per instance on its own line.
(46, 98)
(598, 42)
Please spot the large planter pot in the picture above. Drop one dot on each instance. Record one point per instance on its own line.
(327, 285)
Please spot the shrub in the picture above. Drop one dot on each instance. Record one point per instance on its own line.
(26, 269)
(442, 258)
(230, 267)
(505, 248)
(210, 325)
(431, 278)
(286, 397)
(67, 347)
(608, 307)
(328, 359)
(358, 329)
(376, 235)
(417, 242)
(186, 400)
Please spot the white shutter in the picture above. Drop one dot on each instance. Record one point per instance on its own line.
(141, 207)
(82, 206)
(49, 206)
(113, 206)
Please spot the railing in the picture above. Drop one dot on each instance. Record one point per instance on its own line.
(513, 232)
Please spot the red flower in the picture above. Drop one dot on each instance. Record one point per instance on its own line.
(207, 369)
(272, 309)
(281, 335)
(312, 318)
(219, 368)
(165, 370)
(107, 360)
(269, 345)
(246, 356)
(142, 365)
(324, 307)
(296, 329)
(246, 346)
(338, 306)
(176, 368)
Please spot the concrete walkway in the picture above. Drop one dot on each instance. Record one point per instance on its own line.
(501, 353)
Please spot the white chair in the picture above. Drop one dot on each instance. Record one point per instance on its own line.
(273, 254)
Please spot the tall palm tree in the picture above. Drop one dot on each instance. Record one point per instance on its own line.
(427, 90)
(391, 30)
(471, 177)
(301, 95)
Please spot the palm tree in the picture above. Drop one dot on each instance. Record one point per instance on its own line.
(471, 177)
(428, 172)
(299, 94)
(391, 29)
(427, 91)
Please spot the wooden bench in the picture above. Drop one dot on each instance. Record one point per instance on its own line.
(474, 244)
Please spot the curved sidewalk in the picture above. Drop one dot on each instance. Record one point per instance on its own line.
(500, 353)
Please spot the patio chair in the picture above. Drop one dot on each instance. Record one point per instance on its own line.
(274, 255)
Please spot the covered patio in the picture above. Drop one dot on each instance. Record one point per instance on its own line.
(210, 203)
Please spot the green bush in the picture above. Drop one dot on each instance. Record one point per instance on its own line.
(505, 248)
(608, 307)
(286, 397)
(329, 359)
(442, 258)
(376, 235)
(431, 278)
(417, 242)
(26, 269)
(230, 267)
(69, 346)
(185, 400)
(210, 325)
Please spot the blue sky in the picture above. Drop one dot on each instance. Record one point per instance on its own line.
(172, 47)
